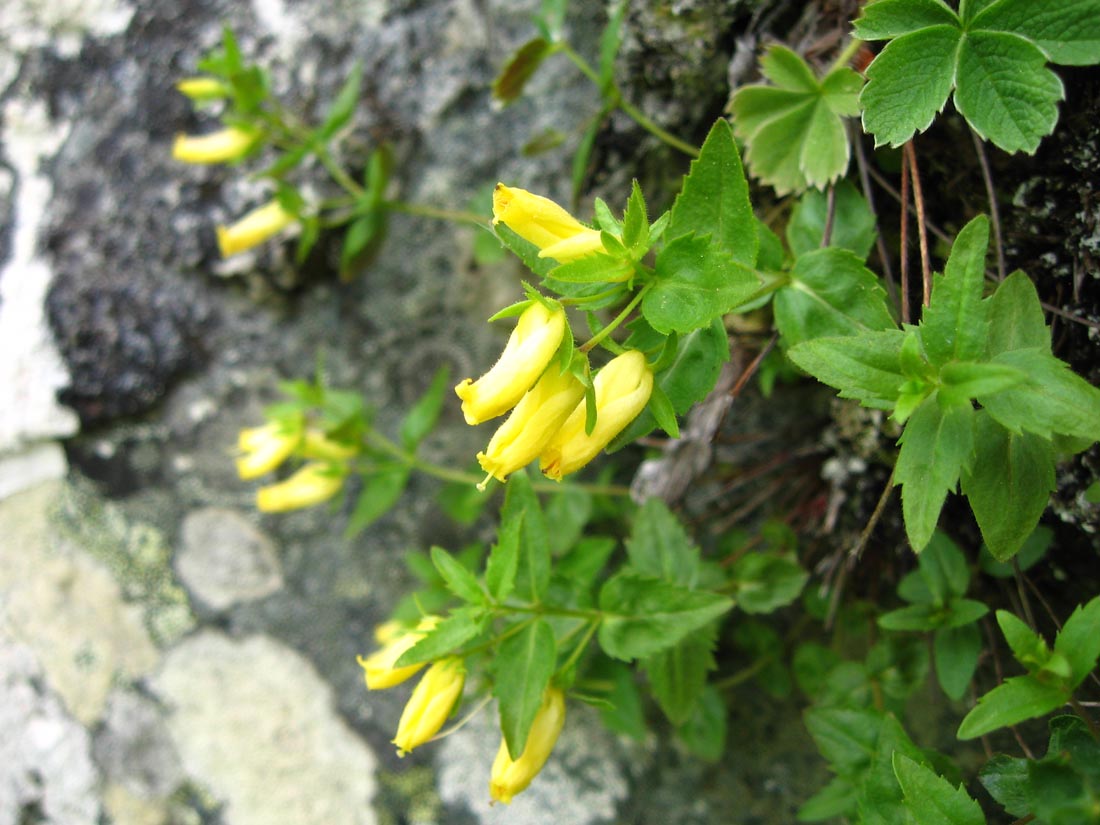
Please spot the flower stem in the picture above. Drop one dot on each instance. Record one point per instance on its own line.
(846, 54)
(616, 322)
(455, 215)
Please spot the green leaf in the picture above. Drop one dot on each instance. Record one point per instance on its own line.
(935, 448)
(866, 367)
(1007, 781)
(704, 733)
(635, 219)
(955, 324)
(943, 569)
(965, 380)
(931, 800)
(830, 294)
(1059, 795)
(597, 268)
(420, 420)
(660, 547)
(696, 281)
(764, 582)
(714, 200)
(678, 675)
(1079, 640)
(343, 107)
(1016, 699)
(569, 509)
(1068, 31)
(381, 490)
(908, 83)
(610, 41)
(1005, 90)
(625, 715)
(458, 579)
(462, 501)
(846, 737)
(886, 19)
(644, 616)
(525, 251)
(508, 86)
(449, 635)
(911, 617)
(880, 797)
(1008, 484)
(1016, 317)
(522, 668)
(838, 798)
(955, 652)
(853, 221)
(361, 243)
(533, 566)
(579, 567)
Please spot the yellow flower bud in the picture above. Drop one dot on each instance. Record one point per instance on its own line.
(266, 447)
(203, 88)
(545, 224)
(254, 228)
(431, 703)
(511, 776)
(217, 147)
(538, 415)
(530, 347)
(623, 388)
(378, 668)
(312, 484)
(316, 444)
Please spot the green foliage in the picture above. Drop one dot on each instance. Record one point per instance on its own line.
(993, 56)
(930, 799)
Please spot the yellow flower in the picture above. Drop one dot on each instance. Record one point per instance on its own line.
(622, 389)
(202, 88)
(217, 147)
(266, 447)
(545, 224)
(254, 228)
(315, 444)
(431, 703)
(378, 668)
(539, 414)
(312, 484)
(511, 776)
(530, 347)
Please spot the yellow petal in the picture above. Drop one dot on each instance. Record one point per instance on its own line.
(217, 147)
(254, 228)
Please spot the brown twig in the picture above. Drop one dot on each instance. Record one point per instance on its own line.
(906, 317)
(868, 193)
(994, 209)
(922, 232)
(1018, 575)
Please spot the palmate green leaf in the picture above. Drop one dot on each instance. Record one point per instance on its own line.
(955, 652)
(886, 19)
(696, 282)
(795, 130)
(931, 799)
(678, 675)
(1016, 699)
(830, 294)
(853, 221)
(954, 326)
(866, 367)
(1008, 484)
(660, 547)
(714, 201)
(1068, 31)
(643, 616)
(522, 668)
(1079, 640)
(935, 448)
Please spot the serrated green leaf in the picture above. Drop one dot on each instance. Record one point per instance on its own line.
(1008, 484)
(830, 294)
(660, 547)
(1079, 640)
(909, 82)
(1006, 92)
(525, 251)
(704, 733)
(579, 567)
(1017, 699)
(763, 582)
(449, 635)
(865, 367)
(965, 380)
(421, 419)
(955, 652)
(853, 221)
(696, 281)
(458, 579)
(626, 715)
(886, 19)
(381, 490)
(635, 220)
(596, 268)
(880, 797)
(1068, 31)
(955, 323)
(714, 200)
(524, 62)
(1028, 648)
(935, 447)
(343, 106)
(522, 668)
(846, 737)
(1016, 317)
(930, 799)
(1006, 779)
(644, 616)
(838, 798)
(678, 675)
(787, 70)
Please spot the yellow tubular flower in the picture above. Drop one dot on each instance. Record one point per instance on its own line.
(378, 668)
(265, 448)
(622, 389)
(316, 444)
(545, 224)
(539, 414)
(254, 228)
(312, 484)
(530, 347)
(218, 147)
(431, 703)
(511, 776)
(202, 88)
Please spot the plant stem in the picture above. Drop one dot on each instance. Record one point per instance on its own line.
(846, 54)
(580, 648)
(611, 327)
(922, 232)
(337, 172)
(994, 209)
(455, 215)
(906, 314)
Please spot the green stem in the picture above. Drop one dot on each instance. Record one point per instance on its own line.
(846, 54)
(582, 645)
(616, 322)
(455, 215)
(337, 173)
(744, 674)
(549, 610)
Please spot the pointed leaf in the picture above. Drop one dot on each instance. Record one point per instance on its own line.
(522, 669)
(886, 19)
(458, 579)
(1079, 640)
(660, 547)
(1017, 699)
(931, 800)
(866, 367)
(955, 323)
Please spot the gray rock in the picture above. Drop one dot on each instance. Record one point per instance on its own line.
(225, 560)
(255, 723)
(134, 749)
(46, 770)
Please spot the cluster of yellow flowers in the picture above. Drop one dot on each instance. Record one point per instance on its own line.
(434, 699)
(225, 146)
(547, 402)
(263, 449)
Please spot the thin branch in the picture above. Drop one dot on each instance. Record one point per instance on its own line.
(906, 316)
(922, 233)
(994, 209)
(830, 216)
(868, 193)
(1018, 574)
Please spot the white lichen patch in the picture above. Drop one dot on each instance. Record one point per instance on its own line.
(62, 24)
